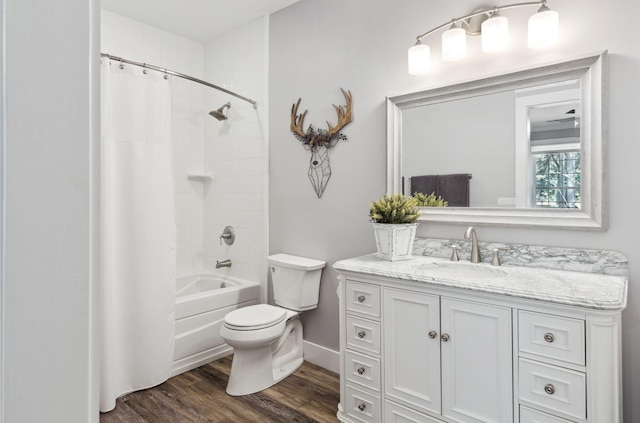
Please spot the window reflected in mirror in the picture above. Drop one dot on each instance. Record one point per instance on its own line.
(550, 148)
(554, 142)
(557, 179)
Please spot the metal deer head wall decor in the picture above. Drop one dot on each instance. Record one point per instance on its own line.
(319, 141)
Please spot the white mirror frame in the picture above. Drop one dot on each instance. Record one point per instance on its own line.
(592, 71)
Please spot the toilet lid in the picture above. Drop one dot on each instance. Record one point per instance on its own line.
(255, 317)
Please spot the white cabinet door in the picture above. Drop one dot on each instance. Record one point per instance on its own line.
(476, 361)
(412, 348)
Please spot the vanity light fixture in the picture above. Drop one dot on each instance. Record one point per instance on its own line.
(495, 33)
(419, 58)
(494, 28)
(454, 43)
(543, 28)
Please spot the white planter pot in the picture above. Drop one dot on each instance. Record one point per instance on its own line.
(394, 242)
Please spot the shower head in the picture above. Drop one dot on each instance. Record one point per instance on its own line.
(219, 114)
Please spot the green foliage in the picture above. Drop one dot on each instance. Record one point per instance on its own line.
(429, 200)
(558, 179)
(394, 209)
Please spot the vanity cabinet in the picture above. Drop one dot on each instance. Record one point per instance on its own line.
(412, 349)
(447, 356)
(418, 349)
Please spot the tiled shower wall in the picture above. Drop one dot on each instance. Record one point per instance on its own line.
(236, 151)
(233, 151)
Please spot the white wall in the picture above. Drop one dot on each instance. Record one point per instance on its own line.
(134, 40)
(317, 46)
(49, 316)
(235, 151)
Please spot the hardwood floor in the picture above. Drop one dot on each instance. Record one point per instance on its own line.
(311, 394)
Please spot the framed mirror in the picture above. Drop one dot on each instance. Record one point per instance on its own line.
(532, 144)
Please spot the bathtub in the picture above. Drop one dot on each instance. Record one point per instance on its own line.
(202, 301)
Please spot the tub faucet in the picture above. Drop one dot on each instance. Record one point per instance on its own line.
(223, 263)
(228, 235)
(475, 252)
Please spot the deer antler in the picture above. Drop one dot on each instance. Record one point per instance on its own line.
(311, 138)
(297, 120)
(344, 115)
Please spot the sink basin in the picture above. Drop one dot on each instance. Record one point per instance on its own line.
(455, 270)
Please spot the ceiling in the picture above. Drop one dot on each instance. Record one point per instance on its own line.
(198, 20)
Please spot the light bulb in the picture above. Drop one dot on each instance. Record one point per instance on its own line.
(495, 33)
(454, 44)
(543, 28)
(419, 59)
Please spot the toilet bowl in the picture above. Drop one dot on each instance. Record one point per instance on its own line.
(267, 339)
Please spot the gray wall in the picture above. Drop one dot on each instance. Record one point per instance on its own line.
(317, 46)
(473, 135)
(49, 319)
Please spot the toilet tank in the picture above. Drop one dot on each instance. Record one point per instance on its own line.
(296, 281)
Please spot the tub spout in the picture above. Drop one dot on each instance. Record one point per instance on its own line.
(223, 263)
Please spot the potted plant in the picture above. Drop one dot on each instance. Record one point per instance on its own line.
(394, 225)
(429, 200)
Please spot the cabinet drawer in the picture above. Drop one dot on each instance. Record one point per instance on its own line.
(363, 298)
(395, 413)
(363, 406)
(555, 337)
(528, 415)
(363, 334)
(363, 370)
(553, 388)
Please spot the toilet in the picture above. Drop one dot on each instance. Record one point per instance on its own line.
(267, 339)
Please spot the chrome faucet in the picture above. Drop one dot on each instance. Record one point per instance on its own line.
(475, 252)
(228, 235)
(223, 263)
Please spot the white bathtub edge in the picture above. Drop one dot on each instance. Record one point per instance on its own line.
(200, 359)
(322, 356)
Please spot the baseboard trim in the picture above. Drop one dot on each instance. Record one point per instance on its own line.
(322, 356)
(313, 353)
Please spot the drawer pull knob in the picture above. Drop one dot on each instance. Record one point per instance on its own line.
(362, 406)
(361, 298)
(444, 337)
(549, 389)
(360, 370)
(433, 334)
(548, 337)
(361, 334)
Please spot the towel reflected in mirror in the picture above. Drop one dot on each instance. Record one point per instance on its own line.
(453, 188)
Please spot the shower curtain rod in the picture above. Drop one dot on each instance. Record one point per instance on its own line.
(178, 74)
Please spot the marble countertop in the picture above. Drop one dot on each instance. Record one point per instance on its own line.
(590, 290)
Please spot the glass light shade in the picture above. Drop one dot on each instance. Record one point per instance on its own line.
(454, 44)
(495, 33)
(419, 59)
(543, 29)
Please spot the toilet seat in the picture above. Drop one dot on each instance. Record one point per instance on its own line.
(255, 317)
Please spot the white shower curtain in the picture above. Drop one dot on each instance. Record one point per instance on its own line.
(138, 244)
